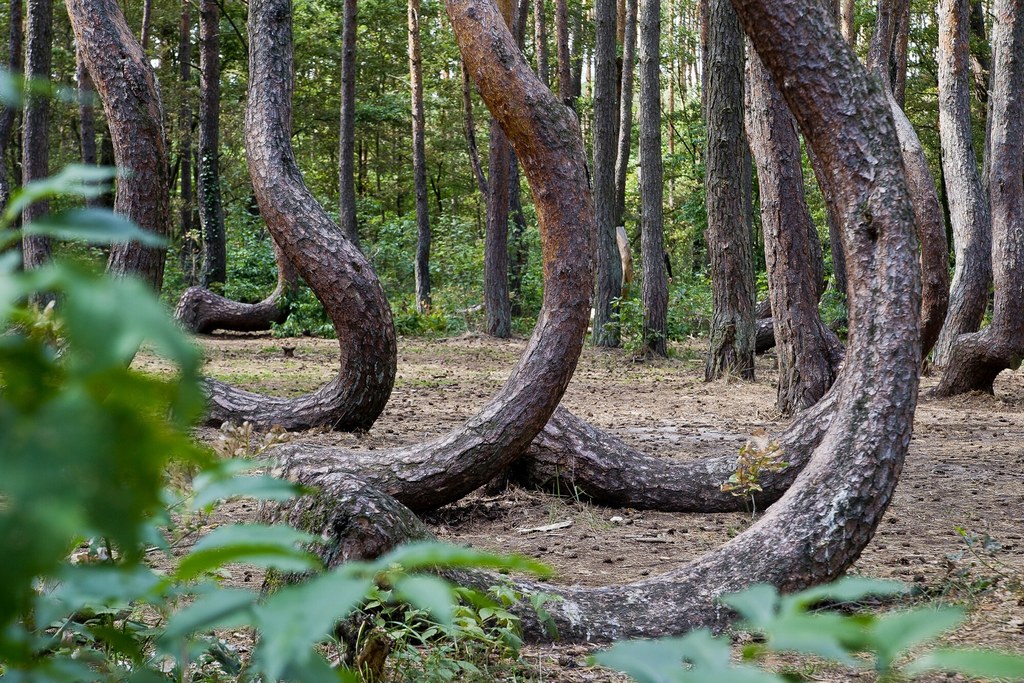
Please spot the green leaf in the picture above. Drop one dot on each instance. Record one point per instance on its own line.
(76, 180)
(79, 587)
(264, 546)
(975, 663)
(757, 604)
(96, 226)
(893, 633)
(430, 554)
(427, 593)
(826, 634)
(295, 618)
(220, 608)
(660, 661)
(263, 487)
(846, 589)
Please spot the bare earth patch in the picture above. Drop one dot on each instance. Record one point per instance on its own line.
(965, 471)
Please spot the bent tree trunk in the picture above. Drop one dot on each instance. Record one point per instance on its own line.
(822, 523)
(931, 229)
(546, 138)
(809, 353)
(126, 85)
(976, 359)
(969, 213)
(201, 311)
(334, 268)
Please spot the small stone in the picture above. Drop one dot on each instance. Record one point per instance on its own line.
(616, 520)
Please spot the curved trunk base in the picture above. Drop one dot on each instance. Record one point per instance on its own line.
(201, 311)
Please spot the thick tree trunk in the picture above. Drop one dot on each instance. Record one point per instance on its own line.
(976, 359)
(333, 267)
(211, 211)
(470, 131)
(547, 140)
(969, 213)
(127, 87)
(626, 110)
(35, 133)
(931, 229)
(808, 352)
(204, 312)
(185, 123)
(347, 135)
(419, 161)
(8, 114)
(833, 508)
(652, 239)
(728, 235)
(609, 267)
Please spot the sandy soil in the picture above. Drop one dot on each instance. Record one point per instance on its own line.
(964, 471)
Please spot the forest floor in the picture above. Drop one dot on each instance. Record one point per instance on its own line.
(955, 530)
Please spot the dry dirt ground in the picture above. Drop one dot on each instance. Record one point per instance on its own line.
(963, 474)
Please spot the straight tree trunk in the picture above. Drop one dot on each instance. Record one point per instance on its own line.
(969, 213)
(626, 110)
(540, 41)
(126, 85)
(733, 328)
(808, 352)
(9, 115)
(609, 266)
(185, 124)
(35, 135)
(211, 211)
(981, 61)
(419, 161)
(470, 130)
(86, 117)
(977, 359)
(147, 22)
(652, 240)
(900, 45)
(497, 305)
(848, 19)
(565, 82)
(347, 136)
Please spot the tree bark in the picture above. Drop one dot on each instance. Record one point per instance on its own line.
(830, 513)
(470, 131)
(419, 161)
(147, 21)
(185, 123)
(333, 267)
(211, 211)
(900, 44)
(203, 312)
(808, 352)
(35, 135)
(931, 229)
(848, 19)
(347, 135)
(540, 41)
(728, 235)
(609, 267)
(86, 116)
(976, 359)
(652, 239)
(626, 110)
(8, 114)
(565, 83)
(969, 213)
(546, 138)
(497, 305)
(126, 85)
